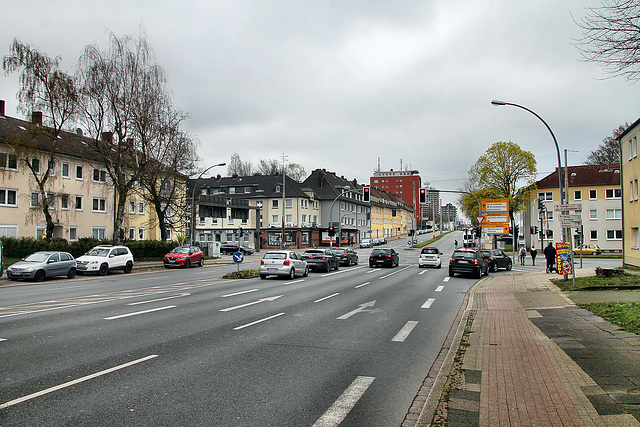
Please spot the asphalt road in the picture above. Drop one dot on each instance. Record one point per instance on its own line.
(183, 347)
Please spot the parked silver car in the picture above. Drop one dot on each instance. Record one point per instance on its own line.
(283, 263)
(40, 265)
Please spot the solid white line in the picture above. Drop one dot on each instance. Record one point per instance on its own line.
(395, 272)
(446, 279)
(345, 403)
(186, 294)
(428, 303)
(3, 339)
(257, 321)
(294, 281)
(374, 270)
(327, 297)
(139, 312)
(239, 293)
(439, 288)
(153, 278)
(364, 284)
(405, 331)
(342, 271)
(74, 382)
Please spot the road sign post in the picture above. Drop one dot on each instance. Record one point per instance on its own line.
(238, 257)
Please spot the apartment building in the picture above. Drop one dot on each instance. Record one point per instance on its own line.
(630, 204)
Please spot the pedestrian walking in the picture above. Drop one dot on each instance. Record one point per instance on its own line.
(523, 254)
(534, 252)
(550, 256)
(456, 243)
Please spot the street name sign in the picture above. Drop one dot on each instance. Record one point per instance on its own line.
(570, 221)
(500, 205)
(495, 228)
(568, 207)
(497, 218)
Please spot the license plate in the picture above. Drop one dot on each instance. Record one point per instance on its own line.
(272, 269)
(462, 262)
(171, 261)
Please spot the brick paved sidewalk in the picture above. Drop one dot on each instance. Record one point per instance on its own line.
(508, 372)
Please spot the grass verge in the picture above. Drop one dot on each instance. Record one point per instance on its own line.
(624, 314)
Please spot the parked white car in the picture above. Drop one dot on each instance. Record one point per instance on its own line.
(283, 263)
(105, 258)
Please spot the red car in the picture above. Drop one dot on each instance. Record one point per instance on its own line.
(184, 256)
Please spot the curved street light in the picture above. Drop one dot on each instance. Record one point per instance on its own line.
(555, 141)
(193, 201)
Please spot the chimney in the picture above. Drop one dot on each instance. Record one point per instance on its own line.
(107, 137)
(36, 117)
(79, 132)
(320, 177)
(2, 107)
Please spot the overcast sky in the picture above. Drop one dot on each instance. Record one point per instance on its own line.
(347, 85)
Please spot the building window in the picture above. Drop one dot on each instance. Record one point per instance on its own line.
(141, 208)
(79, 206)
(8, 161)
(99, 233)
(64, 202)
(99, 204)
(35, 197)
(52, 168)
(594, 235)
(614, 213)
(132, 207)
(593, 194)
(635, 238)
(549, 215)
(547, 196)
(614, 234)
(593, 214)
(35, 165)
(99, 175)
(132, 233)
(66, 170)
(613, 193)
(140, 233)
(274, 219)
(79, 172)
(288, 203)
(232, 190)
(577, 195)
(274, 204)
(229, 220)
(214, 221)
(635, 189)
(73, 232)
(8, 197)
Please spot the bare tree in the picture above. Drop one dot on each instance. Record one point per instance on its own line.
(122, 92)
(296, 172)
(238, 167)
(269, 167)
(609, 151)
(44, 89)
(611, 37)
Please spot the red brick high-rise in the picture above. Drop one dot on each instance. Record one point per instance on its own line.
(403, 183)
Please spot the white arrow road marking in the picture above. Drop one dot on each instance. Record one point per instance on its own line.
(439, 288)
(139, 312)
(428, 303)
(405, 331)
(327, 297)
(251, 303)
(345, 403)
(185, 294)
(239, 293)
(74, 382)
(361, 308)
(237, 328)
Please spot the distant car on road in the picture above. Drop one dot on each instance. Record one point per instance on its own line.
(346, 256)
(366, 243)
(283, 263)
(321, 259)
(430, 257)
(232, 248)
(384, 257)
(40, 265)
(497, 259)
(588, 250)
(468, 261)
(184, 256)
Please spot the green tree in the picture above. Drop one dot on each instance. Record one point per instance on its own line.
(609, 151)
(506, 171)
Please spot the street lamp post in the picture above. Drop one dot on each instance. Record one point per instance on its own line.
(193, 202)
(555, 141)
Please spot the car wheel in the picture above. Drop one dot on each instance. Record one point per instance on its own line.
(71, 273)
(486, 271)
(509, 267)
(39, 276)
(263, 276)
(370, 265)
(187, 263)
(337, 266)
(201, 262)
(292, 273)
(439, 266)
(451, 273)
(306, 271)
(328, 268)
(128, 267)
(104, 269)
(478, 274)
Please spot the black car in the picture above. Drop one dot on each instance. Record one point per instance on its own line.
(468, 261)
(497, 259)
(321, 259)
(346, 256)
(384, 257)
(232, 248)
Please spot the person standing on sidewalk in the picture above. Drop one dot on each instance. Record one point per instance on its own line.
(523, 254)
(550, 255)
(534, 252)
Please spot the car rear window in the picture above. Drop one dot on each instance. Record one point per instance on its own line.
(381, 251)
(275, 255)
(313, 252)
(430, 251)
(464, 255)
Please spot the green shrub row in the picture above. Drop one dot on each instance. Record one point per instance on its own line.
(141, 249)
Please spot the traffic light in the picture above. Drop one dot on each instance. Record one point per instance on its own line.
(540, 205)
(332, 231)
(423, 195)
(517, 231)
(366, 194)
(532, 230)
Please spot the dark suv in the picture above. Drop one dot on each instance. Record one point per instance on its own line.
(468, 261)
(321, 259)
(497, 259)
(385, 257)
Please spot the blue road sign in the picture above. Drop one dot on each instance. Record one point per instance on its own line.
(238, 257)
